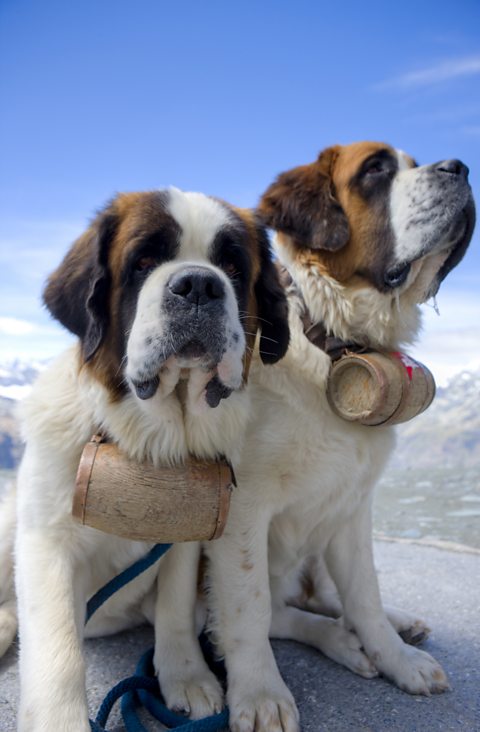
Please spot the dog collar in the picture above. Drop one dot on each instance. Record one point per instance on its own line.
(315, 331)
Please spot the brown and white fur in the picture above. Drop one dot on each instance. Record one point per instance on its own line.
(165, 291)
(366, 236)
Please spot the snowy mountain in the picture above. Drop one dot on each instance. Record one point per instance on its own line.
(10, 444)
(447, 434)
(17, 377)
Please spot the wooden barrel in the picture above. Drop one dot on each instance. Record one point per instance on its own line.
(141, 502)
(379, 388)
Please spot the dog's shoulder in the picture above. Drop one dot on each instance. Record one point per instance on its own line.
(59, 410)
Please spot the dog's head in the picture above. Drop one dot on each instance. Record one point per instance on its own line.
(167, 283)
(366, 214)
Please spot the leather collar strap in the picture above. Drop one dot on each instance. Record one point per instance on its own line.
(316, 331)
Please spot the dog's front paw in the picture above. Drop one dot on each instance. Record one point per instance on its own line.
(197, 694)
(344, 647)
(187, 684)
(410, 628)
(413, 671)
(264, 709)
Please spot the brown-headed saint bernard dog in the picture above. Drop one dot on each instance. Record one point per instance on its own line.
(366, 236)
(164, 291)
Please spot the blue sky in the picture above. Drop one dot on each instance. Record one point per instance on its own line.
(98, 97)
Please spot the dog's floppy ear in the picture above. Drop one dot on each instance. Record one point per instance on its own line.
(302, 203)
(272, 307)
(76, 294)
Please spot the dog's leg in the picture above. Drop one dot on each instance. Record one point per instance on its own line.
(350, 560)
(257, 696)
(328, 635)
(186, 682)
(52, 672)
(320, 596)
(8, 606)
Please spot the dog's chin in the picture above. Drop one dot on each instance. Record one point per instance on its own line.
(210, 383)
(460, 240)
(204, 379)
(426, 273)
(423, 280)
(444, 260)
(194, 353)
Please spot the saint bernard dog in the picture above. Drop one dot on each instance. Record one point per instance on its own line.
(165, 292)
(365, 236)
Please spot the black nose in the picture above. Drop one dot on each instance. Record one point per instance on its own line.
(454, 167)
(397, 276)
(197, 285)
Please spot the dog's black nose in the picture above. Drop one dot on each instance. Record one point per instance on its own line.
(197, 285)
(454, 167)
(397, 276)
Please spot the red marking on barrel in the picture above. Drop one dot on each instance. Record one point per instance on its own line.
(407, 363)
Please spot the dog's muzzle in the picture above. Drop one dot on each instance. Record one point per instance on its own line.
(198, 323)
(452, 220)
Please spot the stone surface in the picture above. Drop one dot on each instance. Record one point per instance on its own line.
(441, 586)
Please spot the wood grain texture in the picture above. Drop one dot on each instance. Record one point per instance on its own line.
(141, 502)
(379, 388)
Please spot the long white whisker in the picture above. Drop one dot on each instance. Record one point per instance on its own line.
(266, 338)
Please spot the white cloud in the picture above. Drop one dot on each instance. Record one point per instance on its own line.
(443, 71)
(30, 250)
(15, 391)
(450, 343)
(28, 340)
(448, 353)
(29, 348)
(15, 327)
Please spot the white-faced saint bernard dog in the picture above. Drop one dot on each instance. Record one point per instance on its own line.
(165, 291)
(365, 236)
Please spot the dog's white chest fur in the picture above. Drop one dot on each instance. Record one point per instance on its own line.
(320, 467)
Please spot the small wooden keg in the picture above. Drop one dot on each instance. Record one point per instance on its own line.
(379, 388)
(145, 503)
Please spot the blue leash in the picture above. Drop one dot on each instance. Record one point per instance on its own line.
(142, 688)
(124, 578)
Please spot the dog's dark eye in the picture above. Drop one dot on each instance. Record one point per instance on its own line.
(375, 168)
(230, 269)
(144, 264)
